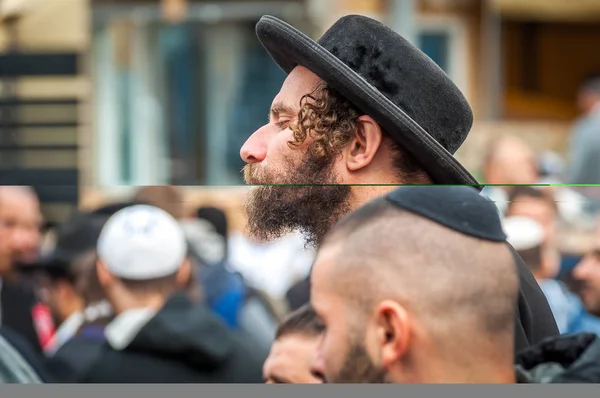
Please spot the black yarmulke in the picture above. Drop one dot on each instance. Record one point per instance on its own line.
(460, 208)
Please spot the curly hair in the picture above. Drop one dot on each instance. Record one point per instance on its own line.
(331, 121)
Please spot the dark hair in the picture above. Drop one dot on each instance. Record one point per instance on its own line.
(532, 193)
(165, 285)
(331, 120)
(304, 321)
(591, 83)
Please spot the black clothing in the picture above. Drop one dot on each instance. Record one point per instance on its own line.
(34, 358)
(17, 301)
(565, 359)
(534, 319)
(183, 343)
(298, 294)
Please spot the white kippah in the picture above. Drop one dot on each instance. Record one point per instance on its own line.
(141, 243)
(523, 233)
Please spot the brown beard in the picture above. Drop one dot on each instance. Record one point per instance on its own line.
(358, 368)
(311, 206)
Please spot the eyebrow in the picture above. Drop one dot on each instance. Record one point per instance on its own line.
(279, 107)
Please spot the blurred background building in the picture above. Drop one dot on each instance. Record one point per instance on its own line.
(117, 93)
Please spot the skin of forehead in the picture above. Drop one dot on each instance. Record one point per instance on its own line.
(284, 359)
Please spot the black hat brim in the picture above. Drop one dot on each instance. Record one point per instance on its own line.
(290, 48)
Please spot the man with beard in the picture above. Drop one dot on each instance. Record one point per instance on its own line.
(360, 108)
(20, 222)
(420, 287)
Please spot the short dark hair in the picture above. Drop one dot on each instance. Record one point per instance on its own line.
(304, 321)
(591, 83)
(531, 193)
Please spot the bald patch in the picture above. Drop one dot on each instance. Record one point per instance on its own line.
(507, 148)
(450, 281)
(21, 191)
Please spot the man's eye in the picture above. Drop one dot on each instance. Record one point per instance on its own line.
(283, 124)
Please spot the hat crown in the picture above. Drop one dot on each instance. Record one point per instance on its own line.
(404, 74)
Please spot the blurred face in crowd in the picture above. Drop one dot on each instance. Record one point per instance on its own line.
(545, 214)
(587, 100)
(343, 355)
(289, 361)
(512, 161)
(587, 272)
(20, 221)
(313, 137)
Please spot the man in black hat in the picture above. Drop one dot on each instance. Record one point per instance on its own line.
(360, 108)
(419, 286)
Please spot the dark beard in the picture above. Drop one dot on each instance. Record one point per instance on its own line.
(358, 368)
(276, 210)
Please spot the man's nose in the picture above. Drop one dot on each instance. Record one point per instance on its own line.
(254, 149)
(317, 365)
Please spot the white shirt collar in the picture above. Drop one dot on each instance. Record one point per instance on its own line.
(123, 329)
(66, 331)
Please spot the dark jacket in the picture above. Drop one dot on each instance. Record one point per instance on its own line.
(17, 302)
(29, 354)
(565, 359)
(74, 359)
(534, 319)
(183, 343)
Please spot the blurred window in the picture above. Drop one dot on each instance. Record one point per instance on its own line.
(436, 46)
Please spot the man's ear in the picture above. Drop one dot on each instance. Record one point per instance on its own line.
(104, 277)
(394, 330)
(364, 145)
(184, 273)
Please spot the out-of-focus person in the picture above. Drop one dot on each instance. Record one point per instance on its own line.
(587, 273)
(272, 266)
(420, 287)
(540, 206)
(59, 272)
(584, 148)
(20, 223)
(159, 334)
(509, 161)
(527, 236)
(229, 293)
(14, 367)
(296, 340)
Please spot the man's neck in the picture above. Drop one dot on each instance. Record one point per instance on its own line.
(125, 304)
(364, 194)
(479, 373)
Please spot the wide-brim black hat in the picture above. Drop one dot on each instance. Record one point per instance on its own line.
(387, 78)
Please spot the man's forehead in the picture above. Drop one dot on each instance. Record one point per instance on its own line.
(298, 83)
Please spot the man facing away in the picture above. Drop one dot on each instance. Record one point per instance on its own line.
(360, 111)
(420, 287)
(159, 335)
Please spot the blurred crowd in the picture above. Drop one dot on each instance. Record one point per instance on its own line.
(198, 297)
(368, 255)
